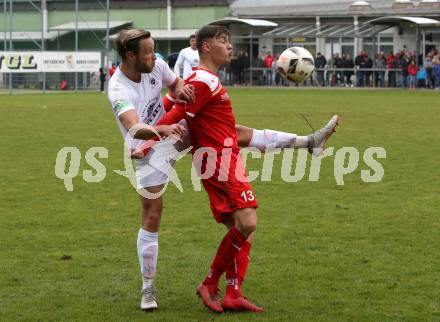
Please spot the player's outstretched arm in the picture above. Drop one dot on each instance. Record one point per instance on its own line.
(130, 121)
(171, 118)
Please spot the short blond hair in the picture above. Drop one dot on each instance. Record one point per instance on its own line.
(128, 40)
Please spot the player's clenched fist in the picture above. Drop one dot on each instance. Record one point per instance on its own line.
(185, 94)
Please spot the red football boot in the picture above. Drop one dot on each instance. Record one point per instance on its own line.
(240, 304)
(209, 296)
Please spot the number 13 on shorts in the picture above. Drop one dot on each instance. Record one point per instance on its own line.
(248, 195)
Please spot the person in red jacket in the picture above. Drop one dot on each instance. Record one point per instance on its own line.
(112, 70)
(391, 74)
(412, 72)
(268, 73)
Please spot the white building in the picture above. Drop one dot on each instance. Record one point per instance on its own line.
(335, 26)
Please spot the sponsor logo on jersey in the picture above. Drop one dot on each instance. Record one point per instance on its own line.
(121, 105)
(151, 111)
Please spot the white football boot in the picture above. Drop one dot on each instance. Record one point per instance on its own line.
(148, 298)
(318, 139)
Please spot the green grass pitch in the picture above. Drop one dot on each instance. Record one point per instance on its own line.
(358, 252)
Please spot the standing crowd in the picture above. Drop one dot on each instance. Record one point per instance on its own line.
(402, 69)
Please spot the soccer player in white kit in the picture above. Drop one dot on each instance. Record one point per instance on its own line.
(134, 94)
(188, 58)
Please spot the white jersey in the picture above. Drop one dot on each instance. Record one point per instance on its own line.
(143, 97)
(189, 58)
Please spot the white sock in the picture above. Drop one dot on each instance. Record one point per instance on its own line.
(148, 250)
(265, 140)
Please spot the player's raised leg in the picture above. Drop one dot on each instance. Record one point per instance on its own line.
(318, 139)
(148, 246)
(265, 140)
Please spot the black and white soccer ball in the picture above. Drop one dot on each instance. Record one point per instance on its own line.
(296, 64)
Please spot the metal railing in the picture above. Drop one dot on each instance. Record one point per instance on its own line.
(42, 82)
(328, 77)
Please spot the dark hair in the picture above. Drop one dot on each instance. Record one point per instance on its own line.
(210, 32)
(192, 36)
(128, 40)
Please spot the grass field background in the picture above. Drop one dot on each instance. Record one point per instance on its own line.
(358, 252)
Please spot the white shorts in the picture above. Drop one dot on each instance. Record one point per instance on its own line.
(155, 168)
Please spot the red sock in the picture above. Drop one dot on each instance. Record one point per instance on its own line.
(237, 271)
(226, 253)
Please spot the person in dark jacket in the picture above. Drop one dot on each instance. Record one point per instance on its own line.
(320, 63)
(348, 65)
(391, 73)
(359, 62)
(368, 73)
(397, 66)
(404, 63)
(436, 72)
(380, 63)
(102, 77)
(338, 64)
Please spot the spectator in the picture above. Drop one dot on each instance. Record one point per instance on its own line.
(268, 73)
(243, 65)
(368, 65)
(275, 68)
(247, 64)
(436, 72)
(430, 79)
(380, 63)
(112, 70)
(348, 65)
(421, 77)
(391, 73)
(398, 66)
(320, 63)
(240, 66)
(412, 72)
(359, 62)
(102, 76)
(259, 63)
(337, 63)
(404, 65)
(234, 68)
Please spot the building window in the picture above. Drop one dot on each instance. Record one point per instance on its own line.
(330, 40)
(347, 49)
(386, 39)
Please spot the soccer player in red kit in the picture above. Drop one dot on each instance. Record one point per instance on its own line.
(211, 124)
(212, 127)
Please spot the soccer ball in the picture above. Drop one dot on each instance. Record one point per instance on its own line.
(296, 64)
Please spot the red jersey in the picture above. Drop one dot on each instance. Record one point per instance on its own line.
(210, 118)
(211, 124)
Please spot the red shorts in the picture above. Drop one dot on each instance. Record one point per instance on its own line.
(228, 196)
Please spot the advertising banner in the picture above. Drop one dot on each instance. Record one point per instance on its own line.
(49, 61)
